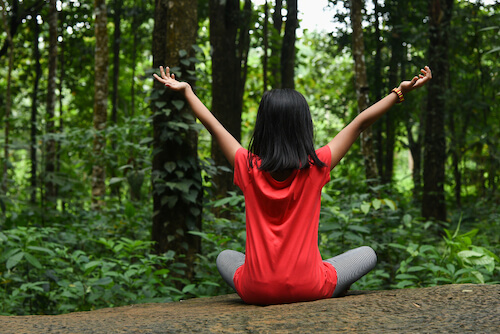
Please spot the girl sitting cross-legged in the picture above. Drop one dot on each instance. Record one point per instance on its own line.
(281, 176)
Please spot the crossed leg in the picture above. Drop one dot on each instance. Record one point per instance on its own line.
(351, 266)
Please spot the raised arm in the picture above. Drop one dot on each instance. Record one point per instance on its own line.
(226, 141)
(343, 141)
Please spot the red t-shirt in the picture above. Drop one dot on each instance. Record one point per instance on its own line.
(282, 259)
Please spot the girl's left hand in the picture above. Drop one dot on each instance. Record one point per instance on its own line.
(169, 80)
(417, 81)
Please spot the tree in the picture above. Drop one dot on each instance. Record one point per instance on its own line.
(100, 102)
(50, 148)
(288, 47)
(230, 42)
(8, 98)
(115, 79)
(281, 62)
(362, 89)
(176, 176)
(433, 201)
(34, 111)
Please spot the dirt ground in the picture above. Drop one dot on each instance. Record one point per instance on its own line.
(443, 309)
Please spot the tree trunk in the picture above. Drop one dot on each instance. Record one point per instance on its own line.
(276, 42)
(378, 84)
(176, 175)
(50, 144)
(34, 111)
(100, 103)
(433, 201)
(265, 58)
(115, 188)
(362, 89)
(288, 47)
(8, 100)
(229, 38)
(60, 127)
(116, 59)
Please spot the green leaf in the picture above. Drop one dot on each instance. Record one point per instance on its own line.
(365, 207)
(91, 265)
(468, 253)
(33, 260)
(170, 166)
(41, 249)
(406, 277)
(359, 228)
(182, 53)
(478, 276)
(114, 180)
(407, 220)
(102, 281)
(160, 104)
(178, 104)
(14, 260)
(391, 204)
(188, 288)
(376, 203)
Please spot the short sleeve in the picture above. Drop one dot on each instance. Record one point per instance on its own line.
(325, 155)
(241, 170)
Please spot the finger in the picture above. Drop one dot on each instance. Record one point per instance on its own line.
(173, 76)
(168, 72)
(162, 72)
(158, 78)
(429, 72)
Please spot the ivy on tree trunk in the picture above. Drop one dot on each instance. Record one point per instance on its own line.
(176, 175)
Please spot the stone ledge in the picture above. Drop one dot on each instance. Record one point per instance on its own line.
(441, 309)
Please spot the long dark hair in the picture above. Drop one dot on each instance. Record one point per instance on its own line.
(283, 137)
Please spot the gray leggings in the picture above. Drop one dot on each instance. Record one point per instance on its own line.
(350, 266)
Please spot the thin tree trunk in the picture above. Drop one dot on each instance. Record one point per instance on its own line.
(61, 122)
(116, 59)
(115, 188)
(50, 144)
(100, 103)
(229, 37)
(378, 127)
(433, 201)
(362, 89)
(274, 61)
(34, 112)
(135, 41)
(8, 101)
(288, 47)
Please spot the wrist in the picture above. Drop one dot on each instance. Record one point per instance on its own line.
(399, 94)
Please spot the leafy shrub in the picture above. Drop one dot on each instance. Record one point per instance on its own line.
(41, 276)
(455, 260)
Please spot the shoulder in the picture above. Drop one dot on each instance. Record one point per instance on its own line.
(324, 154)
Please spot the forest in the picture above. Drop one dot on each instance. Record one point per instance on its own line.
(111, 193)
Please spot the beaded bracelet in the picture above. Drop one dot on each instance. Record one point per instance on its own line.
(400, 94)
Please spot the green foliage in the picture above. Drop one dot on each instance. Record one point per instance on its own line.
(61, 256)
(39, 275)
(456, 260)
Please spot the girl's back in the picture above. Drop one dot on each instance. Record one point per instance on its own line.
(282, 262)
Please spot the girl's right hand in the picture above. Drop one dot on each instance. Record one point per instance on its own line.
(169, 80)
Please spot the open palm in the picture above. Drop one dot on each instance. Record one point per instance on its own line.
(169, 80)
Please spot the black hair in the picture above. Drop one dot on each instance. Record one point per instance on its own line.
(283, 137)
